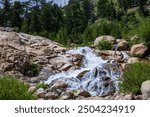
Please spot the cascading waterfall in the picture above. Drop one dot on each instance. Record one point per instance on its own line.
(97, 80)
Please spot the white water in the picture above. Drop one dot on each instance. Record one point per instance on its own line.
(93, 80)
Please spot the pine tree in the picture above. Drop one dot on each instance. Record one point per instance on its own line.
(88, 10)
(6, 12)
(102, 8)
(17, 10)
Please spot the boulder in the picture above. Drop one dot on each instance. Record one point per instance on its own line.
(66, 95)
(106, 38)
(94, 98)
(139, 50)
(32, 89)
(40, 93)
(129, 97)
(51, 95)
(66, 67)
(82, 93)
(138, 97)
(122, 44)
(59, 85)
(145, 89)
(133, 60)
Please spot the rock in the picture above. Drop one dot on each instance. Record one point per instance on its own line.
(82, 93)
(122, 44)
(138, 97)
(145, 89)
(80, 98)
(139, 50)
(94, 98)
(80, 75)
(66, 95)
(66, 67)
(7, 29)
(133, 60)
(32, 89)
(106, 38)
(107, 97)
(120, 97)
(59, 85)
(124, 66)
(112, 98)
(129, 97)
(51, 95)
(40, 93)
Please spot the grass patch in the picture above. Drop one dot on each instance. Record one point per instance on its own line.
(13, 89)
(134, 76)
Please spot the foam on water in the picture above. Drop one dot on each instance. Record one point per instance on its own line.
(94, 80)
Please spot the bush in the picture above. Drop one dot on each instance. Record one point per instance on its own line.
(134, 76)
(104, 45)
(42, 85)
(13, 89)
(32, 70)
(144, 30)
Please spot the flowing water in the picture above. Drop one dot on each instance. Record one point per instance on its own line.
(96, 78)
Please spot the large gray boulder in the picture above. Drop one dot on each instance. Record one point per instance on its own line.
(145, 89)
(139, 49)
(105, 38)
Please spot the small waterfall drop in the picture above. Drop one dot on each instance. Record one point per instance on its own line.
(98, 79)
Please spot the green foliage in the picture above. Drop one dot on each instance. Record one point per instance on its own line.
(42, 85)
(13, 89)
(104, 45)
(32, 70)
(134, 76)
(144, 30)
(79, 22)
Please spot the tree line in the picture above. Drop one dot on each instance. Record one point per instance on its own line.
(65, 24)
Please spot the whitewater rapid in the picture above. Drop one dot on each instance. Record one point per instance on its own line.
(94, 80)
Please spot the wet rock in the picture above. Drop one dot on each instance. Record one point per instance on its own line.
(145, 89)
(66, 67)
(80, 75)
(139, 50)
(82, 93)
(59, 85)
(107, 81)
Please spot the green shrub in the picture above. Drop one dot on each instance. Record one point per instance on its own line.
(144, 30)
(42, 85)
(134, 76)
(104, 45)
(13, 89)
(32, 70)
